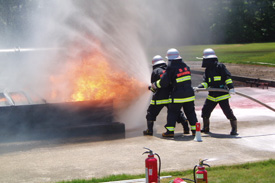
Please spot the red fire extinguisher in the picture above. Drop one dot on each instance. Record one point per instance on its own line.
(201, 174)
(151, 167)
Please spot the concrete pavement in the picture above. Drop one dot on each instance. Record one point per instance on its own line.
(51, 161)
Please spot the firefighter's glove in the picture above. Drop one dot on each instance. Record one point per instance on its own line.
(150, 88)
(195, 89)
(153, 86)
(232, 91)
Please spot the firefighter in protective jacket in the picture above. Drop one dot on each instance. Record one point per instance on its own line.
(182, 96)
(216, 76)
(160, 98)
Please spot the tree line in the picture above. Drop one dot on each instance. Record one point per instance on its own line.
(244, 21)
(223, 21)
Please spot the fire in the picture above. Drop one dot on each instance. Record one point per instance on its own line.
(95, 79)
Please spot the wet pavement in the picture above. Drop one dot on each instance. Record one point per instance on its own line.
(51, 161)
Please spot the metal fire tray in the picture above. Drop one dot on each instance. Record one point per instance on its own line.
(58, 120)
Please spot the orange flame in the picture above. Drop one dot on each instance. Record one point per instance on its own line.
(94, 79)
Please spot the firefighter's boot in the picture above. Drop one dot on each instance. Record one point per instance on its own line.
(149, 131)
(234, 127)
(169, 132)
(205, 128)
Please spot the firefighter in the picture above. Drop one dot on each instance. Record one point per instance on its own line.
(160, 98)
(216, 76)
(182, 96)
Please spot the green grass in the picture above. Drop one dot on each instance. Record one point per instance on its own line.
(257, 172)
(254, 53)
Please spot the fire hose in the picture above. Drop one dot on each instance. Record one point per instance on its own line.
(238, 93)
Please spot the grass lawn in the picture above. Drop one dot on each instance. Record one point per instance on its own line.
(257, 172)
(254, 53)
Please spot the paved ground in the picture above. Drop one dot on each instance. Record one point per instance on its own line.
(51, 161)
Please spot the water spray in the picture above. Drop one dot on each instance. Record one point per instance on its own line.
(18, 49)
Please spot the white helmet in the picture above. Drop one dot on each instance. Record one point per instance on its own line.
(157, 60)
(173, 54)
(209, 53)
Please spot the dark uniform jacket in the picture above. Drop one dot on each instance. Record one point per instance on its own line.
(179, 76)
(161, 96)
(217, 76)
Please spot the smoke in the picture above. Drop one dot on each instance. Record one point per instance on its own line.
(124, 31)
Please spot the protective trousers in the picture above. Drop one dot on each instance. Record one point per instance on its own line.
(174, 110)
(154, 110)
(209, 106)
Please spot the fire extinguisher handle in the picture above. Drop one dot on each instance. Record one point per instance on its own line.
(206, 164)
(201, 162)
(149, 151)
(146, 152)
(147, 148)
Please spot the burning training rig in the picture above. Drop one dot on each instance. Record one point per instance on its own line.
(24, 118)
(84, 95)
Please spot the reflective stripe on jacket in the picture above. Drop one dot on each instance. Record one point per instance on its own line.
(182, 100)
(160, 102)
(219, 98)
